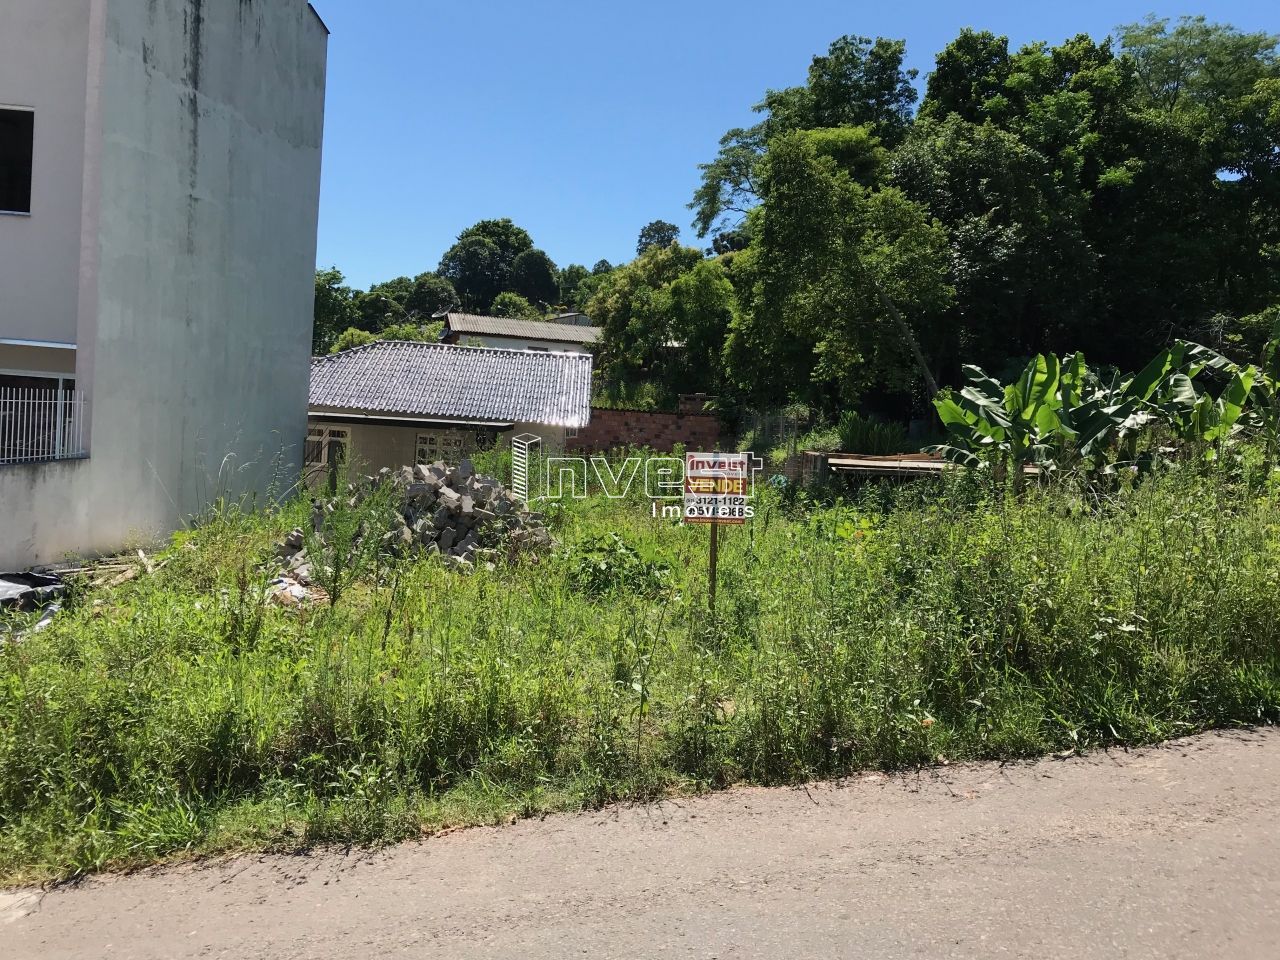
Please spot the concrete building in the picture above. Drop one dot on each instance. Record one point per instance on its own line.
(159, 181)
(392, 403)
(511, 334)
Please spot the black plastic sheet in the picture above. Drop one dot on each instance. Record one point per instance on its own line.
(30, 591)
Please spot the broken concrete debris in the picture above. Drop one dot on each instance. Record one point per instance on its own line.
(438, 509)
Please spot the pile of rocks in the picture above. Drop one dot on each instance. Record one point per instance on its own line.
(455, 512)
(438, 510)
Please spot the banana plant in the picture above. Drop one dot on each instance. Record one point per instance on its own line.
(1096, 415)
(1200, 417)
(1266, 403)
(1011, 426)
(1060, 413)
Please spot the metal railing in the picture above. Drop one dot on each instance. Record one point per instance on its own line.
(38, 425)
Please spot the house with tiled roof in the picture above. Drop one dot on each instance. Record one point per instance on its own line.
(392, 402)
(566, 334)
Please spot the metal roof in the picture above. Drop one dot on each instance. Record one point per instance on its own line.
(445, 382)
(525, 329)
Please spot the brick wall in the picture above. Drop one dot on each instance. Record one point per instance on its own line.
(611, 429)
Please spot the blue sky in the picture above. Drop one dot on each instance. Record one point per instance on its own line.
(583, 121)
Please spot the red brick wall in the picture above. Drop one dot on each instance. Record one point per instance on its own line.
(611, 429)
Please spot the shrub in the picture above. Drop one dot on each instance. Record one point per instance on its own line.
(609, 564)
(871, 437)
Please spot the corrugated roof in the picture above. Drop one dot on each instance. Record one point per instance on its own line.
(525, 329)
(441, 381)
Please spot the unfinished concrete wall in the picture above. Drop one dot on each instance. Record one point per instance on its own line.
(198, 267)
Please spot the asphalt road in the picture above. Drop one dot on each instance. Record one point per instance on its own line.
(1165, 853)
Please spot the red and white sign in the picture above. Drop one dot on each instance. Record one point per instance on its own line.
(717, 487)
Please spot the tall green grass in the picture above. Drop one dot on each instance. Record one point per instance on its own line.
(178, 714)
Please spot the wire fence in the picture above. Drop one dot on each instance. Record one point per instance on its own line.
(38, 425)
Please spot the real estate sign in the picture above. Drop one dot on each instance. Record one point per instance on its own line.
(717, 487)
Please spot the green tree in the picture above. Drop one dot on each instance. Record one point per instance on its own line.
(511, 304)
(379, 307)
(633, 306)
(350, 338)
(1160, 166)
(479, 265)
(335, 309)
(1208, 97)
(571, 278)
(474, 267)
(1197, 66)
(428, 332)
(587, 288)
(860, 82)
(1022, 268)
(431, 294)
(702, 307)
(534, 277)
(730, 241)
(510, 239)
(842, 282)
(967, 77)
(659, 233)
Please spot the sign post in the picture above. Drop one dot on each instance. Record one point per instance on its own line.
(715, 492)
(712, 575)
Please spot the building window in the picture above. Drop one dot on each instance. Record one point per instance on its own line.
(326, 447)
(448, 445)
(428, 448)
(17, 138)
(325, 453)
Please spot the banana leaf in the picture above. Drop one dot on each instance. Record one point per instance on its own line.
(956, 455)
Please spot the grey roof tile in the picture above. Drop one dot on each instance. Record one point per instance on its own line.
(441, 381)
(525, 329)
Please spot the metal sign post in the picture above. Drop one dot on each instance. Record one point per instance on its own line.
(711, 573)
(715, 492)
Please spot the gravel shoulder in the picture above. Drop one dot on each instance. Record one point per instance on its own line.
(1166, 852)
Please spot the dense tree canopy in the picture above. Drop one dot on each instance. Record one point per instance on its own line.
(827, 254)
(496, 268)
(478, 270)
(431, 294)
(513, 305)
(860, 82)
(1103, 195)
(571, 278)
(334, 309)
(633, 307)
(481, 264)
(534, 277)
(659, 233)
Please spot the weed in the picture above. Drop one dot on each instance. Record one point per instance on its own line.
(180, 714)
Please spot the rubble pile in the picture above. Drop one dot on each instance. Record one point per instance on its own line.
(439, 510)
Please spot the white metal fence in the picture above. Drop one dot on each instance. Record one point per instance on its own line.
(41, 424)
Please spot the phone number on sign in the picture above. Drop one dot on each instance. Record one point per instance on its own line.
(718, 511)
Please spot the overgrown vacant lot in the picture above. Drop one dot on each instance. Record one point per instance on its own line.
(180, 714)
